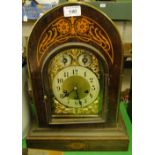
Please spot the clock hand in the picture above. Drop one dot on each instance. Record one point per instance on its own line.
(77, 95)
(66, 94)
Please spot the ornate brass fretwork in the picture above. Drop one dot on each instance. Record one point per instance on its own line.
(60, 109)
(56, 65)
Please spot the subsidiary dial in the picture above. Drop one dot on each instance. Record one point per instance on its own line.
(84, 60)
(65, 60)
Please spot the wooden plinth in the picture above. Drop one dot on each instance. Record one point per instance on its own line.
(92, 139)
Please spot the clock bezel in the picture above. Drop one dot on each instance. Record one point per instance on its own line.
(75, 120)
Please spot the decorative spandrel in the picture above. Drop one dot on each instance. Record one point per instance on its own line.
(82, 28)
(74, 57)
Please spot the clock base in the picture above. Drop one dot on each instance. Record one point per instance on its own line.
(81, 139)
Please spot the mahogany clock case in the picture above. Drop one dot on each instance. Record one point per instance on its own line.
(92, 31)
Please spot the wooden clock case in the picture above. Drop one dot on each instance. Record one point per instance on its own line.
(92, 30)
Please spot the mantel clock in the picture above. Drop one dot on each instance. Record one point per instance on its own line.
(74, 57)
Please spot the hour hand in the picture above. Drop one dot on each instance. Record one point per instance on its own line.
(66, 93)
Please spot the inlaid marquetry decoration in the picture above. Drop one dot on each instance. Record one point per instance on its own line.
(82, 28)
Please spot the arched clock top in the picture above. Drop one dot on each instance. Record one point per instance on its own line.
(93, 28)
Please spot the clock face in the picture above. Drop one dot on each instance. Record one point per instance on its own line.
(74, 79)
(75, 86)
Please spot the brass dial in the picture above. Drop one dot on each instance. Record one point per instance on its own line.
(75, 86)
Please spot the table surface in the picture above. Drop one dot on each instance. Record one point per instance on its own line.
(129, 130)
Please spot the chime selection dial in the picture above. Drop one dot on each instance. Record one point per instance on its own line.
(84, 60)
(65, 60)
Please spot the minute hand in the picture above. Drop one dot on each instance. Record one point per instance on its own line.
(77, 95)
